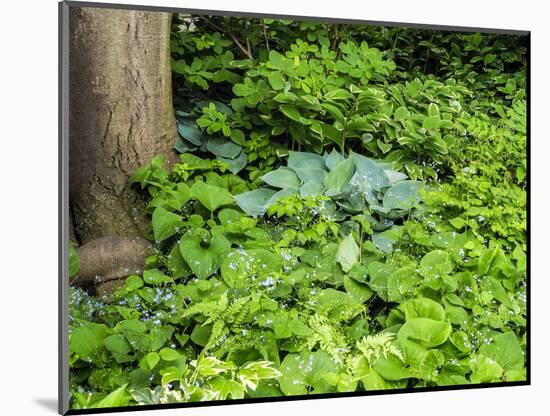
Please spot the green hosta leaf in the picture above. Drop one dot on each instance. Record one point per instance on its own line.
(394, 176)
(311, 175)
(254, 203)
(427, 332)
(311, 188)
(485, 369)
(348, 253)
(370, 175)
(403, 195)
(237, 164)
(423, 308)
(305, 160)
(333, 158)
(300, 371)
(204, 259)
(436, 263)
(189, 131)
(401, 114)
(281, 178)
(74, 260)
(280, 194)
(165, 224)
(338, 178)
(506, 350)
(223, 147)
(211, 197)
(433, 110)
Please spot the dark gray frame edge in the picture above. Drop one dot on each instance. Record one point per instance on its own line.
(63, 209)
(63, 196)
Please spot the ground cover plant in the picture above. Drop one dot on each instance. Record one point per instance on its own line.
(347, 213)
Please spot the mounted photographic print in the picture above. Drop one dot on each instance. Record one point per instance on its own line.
(263, 208)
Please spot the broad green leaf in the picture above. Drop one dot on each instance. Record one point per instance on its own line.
(189, 131)
(291, 112)
(204, 259)
(391, 368)
(87, 341)
(484, 369)
(156, 277)
(403, 195)
(436, 264)
(310, 175)
(427, 332)
(311, 188)
(116, 398)
(224, 388)
(169, 354)
(423, 308)
(281, 178)
(254, 203)
(333, 159)
(211, 197)
(506, 350)
(305, 160)
(223, 147)
(338, 178)
(165, 224)
(348, 253)
(276, 80)
(401, 114)
(300, 371)
(370, 175)
(237, 164)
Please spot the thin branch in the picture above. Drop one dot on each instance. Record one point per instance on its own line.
(266, 39)
(231, 35)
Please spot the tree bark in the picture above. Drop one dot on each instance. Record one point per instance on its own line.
(120, 116)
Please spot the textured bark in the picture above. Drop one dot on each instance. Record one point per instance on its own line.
(121, 115)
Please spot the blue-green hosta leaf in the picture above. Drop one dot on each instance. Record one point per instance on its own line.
(254, 203)
(282, 178)
(188, 130)
(305, 160)
(370, 175)
(395, 176)
(403, 195)
(223, 147)
(348, 253)
(184, 146)
(300, 371)
(311, 174)
(165, 224)
(204, 259)
(211, 197)
(333, 158)
(338, 178)
(237, 164)
(311, 188)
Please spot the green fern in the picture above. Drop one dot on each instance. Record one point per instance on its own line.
(380, 345)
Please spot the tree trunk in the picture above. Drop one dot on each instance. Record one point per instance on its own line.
(121, 115)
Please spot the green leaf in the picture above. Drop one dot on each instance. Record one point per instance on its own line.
(237, 164)
(74, 260)
(116, 398)
(291, 112)
(189, 131)
(204, 259)
(254, 203)
(223, 147)
(401, 114)
(338, 178)
(151, 360)
(506, 350)
(87, 341)
(305, 160)
(165, 224)
(224, 388)
(133, 283)
(311, 188)
(370, 175)
(156, 277)
(211, 197)
(310, 175)
(457, 222)
(436, 263)
(276, 80)
(403, 195)
(484, 369)
(333, 159)
(433, 110)
(430, 123)
(427, 332)
(300, 371)
(348, 253)
(281, 178)
(423, 308)
(169, 354)
(238, 137)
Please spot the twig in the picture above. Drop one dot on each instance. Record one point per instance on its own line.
(232, 36)
(266, 39)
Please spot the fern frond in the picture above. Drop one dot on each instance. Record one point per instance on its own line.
(379, 345)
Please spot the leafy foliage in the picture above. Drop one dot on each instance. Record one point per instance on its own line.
(348, 214)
